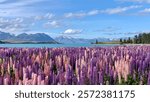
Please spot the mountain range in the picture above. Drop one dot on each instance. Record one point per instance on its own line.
(68, 39)
(26, 38)
(44, 38)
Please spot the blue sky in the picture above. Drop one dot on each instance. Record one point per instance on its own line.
(76, 18)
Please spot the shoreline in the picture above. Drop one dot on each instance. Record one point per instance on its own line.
(137, 44)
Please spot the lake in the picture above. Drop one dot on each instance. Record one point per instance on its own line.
(55, 45)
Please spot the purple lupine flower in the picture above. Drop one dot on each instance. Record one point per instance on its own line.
(101, 77)
(111, 74)
(69, 76)
(86, 65)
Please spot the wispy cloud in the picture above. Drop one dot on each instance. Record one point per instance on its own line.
(110, 11)
(18, 3)
(17, 7)
(47, 16)
(108, 29)
(52, 24)
(145, 11)
(93, 12)
(13, 25)
(142, 12)
(72, 31)
(78, 15)
(119, 10)
(130, 33)
(138, 1)
(126, 33)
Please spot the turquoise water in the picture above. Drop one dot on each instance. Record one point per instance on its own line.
(55, 45)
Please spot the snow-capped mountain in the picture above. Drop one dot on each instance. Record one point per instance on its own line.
(69, 39)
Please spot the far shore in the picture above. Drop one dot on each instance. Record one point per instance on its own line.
(137, 44)
(123, 44)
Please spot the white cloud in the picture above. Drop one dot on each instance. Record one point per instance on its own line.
(54, 24)
(116, 10)
(9, 8)
(130, 33)
(81, 14)
(47, 16)
(108, 29)
(72, 15)
(17, 3)
(38, 18)
(15, 25)
(93, 12)
(146, 10)
(72, 31)
(119, 9)
(138, 1)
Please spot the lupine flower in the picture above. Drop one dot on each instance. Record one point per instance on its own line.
(75, 66)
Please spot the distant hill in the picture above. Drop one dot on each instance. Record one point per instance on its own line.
(4, 36)
(2, 42)
(26, 38)
(66, 39)
(44, 38)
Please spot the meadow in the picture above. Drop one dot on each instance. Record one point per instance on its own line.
(116, 65)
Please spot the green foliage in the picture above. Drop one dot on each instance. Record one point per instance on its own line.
(143, 38)
(121, 42)
(130, 81)
(106, 79)
(126, 41)
(1, 60)
(96, 41)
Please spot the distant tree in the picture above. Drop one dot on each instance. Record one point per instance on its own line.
(96, 41)
(143, 38)
(129, 40)
(140, 39)
(121, 42)
(136, 39)
(124, 41)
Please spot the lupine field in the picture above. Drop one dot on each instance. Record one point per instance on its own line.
(120, 65)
